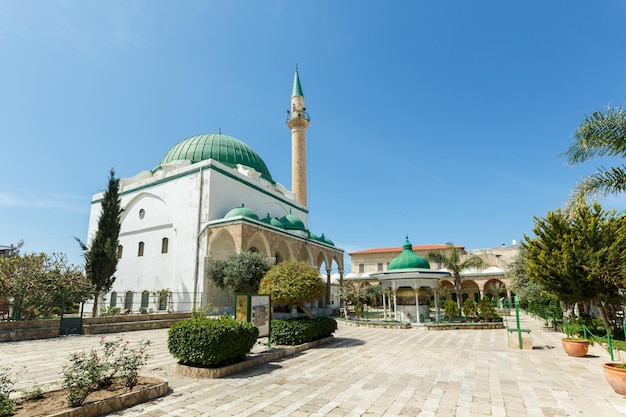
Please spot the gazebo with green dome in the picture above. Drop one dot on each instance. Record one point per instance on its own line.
(407, 279)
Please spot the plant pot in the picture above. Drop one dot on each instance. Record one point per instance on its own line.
(616, 377)
(577, 348)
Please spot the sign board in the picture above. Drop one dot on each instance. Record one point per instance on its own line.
(254, 309)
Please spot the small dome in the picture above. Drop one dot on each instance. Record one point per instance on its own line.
(222, 148)
(291, 222)
(241, 211)
(313, 236)
(273, 221)
(326, 240)
(408, 259)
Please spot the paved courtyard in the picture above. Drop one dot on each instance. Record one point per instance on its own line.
(368, 372)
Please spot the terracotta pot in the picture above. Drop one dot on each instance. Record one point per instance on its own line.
(616, 377)
(576, 348)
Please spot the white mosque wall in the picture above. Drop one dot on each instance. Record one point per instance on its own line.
(170, 204)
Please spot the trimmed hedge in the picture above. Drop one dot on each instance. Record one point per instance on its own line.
(301, 330)
(203, 341)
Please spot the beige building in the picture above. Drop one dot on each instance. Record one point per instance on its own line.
(491, 281)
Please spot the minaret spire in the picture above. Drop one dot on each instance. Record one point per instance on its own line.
(298, 123)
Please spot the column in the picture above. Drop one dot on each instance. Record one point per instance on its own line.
(417, 305)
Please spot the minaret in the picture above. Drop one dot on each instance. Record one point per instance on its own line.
(298, 123)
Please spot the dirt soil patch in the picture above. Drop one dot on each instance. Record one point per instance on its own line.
(54, 401)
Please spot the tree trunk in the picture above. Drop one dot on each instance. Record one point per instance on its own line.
(457, 285)
(605, 320)
(308, 312)
(96, 295)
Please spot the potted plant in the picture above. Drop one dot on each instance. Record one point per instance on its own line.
(574, 346)
(615, 374)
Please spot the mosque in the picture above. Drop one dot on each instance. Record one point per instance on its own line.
(211, 196)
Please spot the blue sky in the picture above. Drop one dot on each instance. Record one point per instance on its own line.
(441, 120)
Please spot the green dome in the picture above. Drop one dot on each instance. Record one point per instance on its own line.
(272, 221)
(408, 259)
(326, 240)
(242, 211)
(291, 222)
(225, 149)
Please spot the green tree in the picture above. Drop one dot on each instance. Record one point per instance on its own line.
(451, 310)
(39, 284)
(527, 290)
(240, 272)
(101, 254)
(451, 260)
(469, 308)
(486, 310)
(603, 134)
(293, 283)
(578, 257)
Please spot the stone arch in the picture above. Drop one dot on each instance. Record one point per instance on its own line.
(221, 245)
(259, 242)
(282, 252)
(305, 255)
(495, 285)
(469, 289)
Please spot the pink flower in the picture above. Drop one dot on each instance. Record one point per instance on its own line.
(96, 359)
(127, 342)
(102, 337)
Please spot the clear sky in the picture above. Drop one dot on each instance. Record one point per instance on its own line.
(441, 120)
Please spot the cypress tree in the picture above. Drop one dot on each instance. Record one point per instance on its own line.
(101, 254)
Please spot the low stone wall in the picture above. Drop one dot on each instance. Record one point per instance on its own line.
(117, 324)
(13, 331)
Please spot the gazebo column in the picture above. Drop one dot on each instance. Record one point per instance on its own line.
(395, 304)
(384, 306)
(417, 305)
(327, 301)
(436, 293)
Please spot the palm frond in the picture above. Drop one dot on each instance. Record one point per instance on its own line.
(601, 134)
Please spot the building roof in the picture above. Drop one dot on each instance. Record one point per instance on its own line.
(399, 249)
(222, 148)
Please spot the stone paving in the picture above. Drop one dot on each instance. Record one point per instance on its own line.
(368, 372)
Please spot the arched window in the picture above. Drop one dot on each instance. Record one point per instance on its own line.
(120, 249)
(113, 300)
(163, 299)
(164, 245)
(145, 297)
(140, 250)
(128, 300)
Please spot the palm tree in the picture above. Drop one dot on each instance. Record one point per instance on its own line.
(451, 260)
(599, 135)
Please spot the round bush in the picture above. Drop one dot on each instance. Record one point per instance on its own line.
(301, 330)
(203, 341)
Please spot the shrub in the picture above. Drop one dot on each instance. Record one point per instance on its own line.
(203, 341)
(88, 372)
(7, 384)
(301, 330)
(451, 310)
(469, 308)
(486, 310)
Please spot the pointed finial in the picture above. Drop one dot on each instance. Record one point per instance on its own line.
(219, 130)
(297, 88)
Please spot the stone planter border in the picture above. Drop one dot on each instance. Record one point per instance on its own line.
(465, 326)
(110, 405)
(374, 324)
(251, 361)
